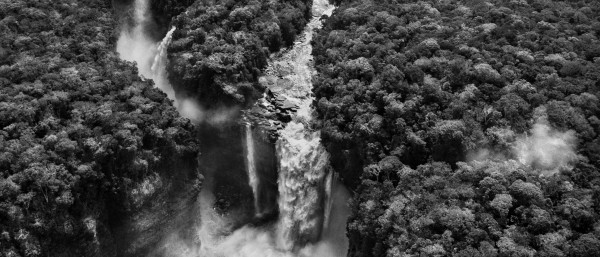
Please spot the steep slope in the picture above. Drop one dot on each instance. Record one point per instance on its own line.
(85, 144)
(309, 218)
(217, 53)
(466, 128)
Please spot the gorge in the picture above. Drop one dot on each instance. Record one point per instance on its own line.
(304, 214)
(296, 128)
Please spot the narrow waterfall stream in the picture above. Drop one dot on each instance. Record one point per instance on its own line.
(312, 205)
(135, 45)
(158, 68)
(251, 167)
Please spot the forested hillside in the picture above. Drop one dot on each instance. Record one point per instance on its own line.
(475, 124)
(221, 47)
(84, 142)
(461, 127)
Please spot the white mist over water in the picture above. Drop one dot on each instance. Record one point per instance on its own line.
(215, 237)
(190, 109)
(151, 57)
(135, 46)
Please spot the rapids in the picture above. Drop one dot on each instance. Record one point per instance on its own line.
(303, 162)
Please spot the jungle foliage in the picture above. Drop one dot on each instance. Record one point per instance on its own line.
(80, 131)
(415, 89)
(220, 47)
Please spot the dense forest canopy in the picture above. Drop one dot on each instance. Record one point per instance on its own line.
(80, 132)
(220, 47)
(86, 145)
(465, 115)
(462, 127)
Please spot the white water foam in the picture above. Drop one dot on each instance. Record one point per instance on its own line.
(135, 46)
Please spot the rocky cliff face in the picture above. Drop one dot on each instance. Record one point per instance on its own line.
(215, 60)
(160, 204)
(159, 207)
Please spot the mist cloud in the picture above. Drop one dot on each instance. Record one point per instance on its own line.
(190, 109)
(546, 148)
(215, 238)
(543, 148)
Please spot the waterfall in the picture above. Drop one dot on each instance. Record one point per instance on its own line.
(133, 44)
(304, 169)
(160, 58)
(329, 187)
(151, 57)
(304, 165)
(251, 167)
(312, 209)
(159, 65)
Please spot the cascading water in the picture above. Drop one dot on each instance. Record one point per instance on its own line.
(304, 165)
(160, 60)
(329, 187)
(309, 197)
(251, 167)
(303, 162)
(133, 44)
(159, 64)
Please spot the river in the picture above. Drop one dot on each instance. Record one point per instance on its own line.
(312, 204)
